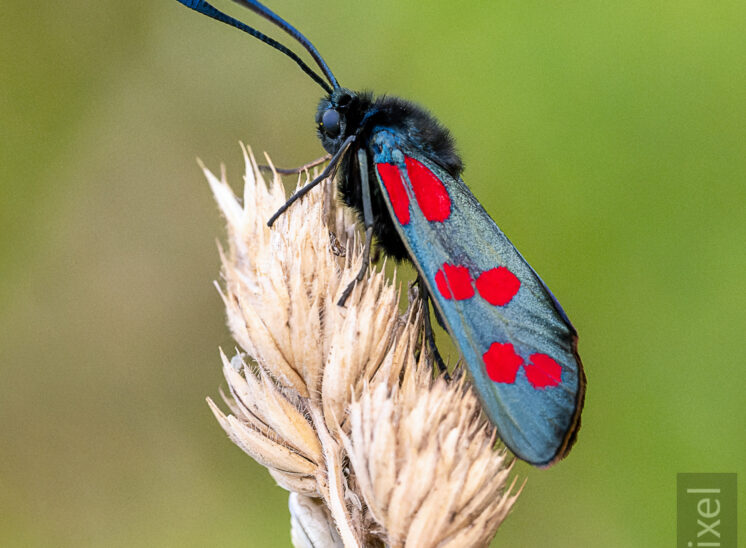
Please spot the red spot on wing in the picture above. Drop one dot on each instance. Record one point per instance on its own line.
(391, 177)
(431, 193)
(498, 285)
(454, 282)
(502, 362)
(542, 371)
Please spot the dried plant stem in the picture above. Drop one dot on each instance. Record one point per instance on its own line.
(337, 506)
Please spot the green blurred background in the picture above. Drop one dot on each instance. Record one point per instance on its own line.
(608, 140)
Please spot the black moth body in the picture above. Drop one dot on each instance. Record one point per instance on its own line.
(360, 113)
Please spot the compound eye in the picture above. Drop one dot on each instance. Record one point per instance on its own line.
(330, 123)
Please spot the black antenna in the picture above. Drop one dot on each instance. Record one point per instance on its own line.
(268, 14)
(207, 9)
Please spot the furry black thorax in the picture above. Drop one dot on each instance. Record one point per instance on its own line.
(360, 114)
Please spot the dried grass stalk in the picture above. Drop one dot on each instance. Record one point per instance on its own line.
(339, 403)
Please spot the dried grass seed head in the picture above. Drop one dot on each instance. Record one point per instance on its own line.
(316, 383)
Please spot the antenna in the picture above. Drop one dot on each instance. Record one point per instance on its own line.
(265, 12)
(207, 9)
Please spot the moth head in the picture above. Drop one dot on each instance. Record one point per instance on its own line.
(333, 118)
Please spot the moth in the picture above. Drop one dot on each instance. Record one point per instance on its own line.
(398, 168)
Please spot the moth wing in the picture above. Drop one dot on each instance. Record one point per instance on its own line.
(514, 337)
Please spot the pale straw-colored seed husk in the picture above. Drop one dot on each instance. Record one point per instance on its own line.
(340, 403)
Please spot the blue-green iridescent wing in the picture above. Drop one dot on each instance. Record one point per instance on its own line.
(514, 337)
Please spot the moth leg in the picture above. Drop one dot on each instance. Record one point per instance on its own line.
(295, 170)
(328, 170)
(362, 161)
(363, 268)
(429, 335)
(439, 318)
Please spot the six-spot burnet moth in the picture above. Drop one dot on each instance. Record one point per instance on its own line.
(399, 169)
